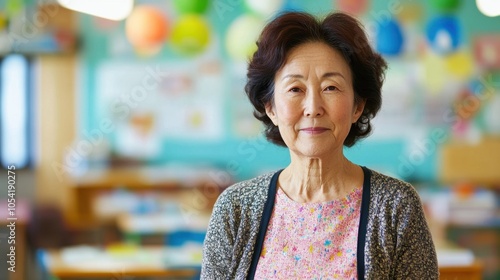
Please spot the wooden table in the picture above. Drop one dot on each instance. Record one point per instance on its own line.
(472, 271)
(457, 263)
(142, 261)
(150, 261)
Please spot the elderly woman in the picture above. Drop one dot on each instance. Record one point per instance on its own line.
(316, 85)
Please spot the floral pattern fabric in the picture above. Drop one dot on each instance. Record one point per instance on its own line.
(311, 240)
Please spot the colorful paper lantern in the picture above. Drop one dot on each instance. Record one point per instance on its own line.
(434, 69)
(13, 8)
(352, 7)
(264, 8)
(445, 5)
(3, 21)
(146, 27)
(412, 13)
(191, 34)
(389, 37)
(443, 34)
(191, 6)
(486, 51)
(460, 65)
(242, 35)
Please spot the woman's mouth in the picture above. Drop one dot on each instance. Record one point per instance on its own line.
(314, 130)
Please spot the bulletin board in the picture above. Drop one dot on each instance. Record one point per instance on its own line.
(199, 112)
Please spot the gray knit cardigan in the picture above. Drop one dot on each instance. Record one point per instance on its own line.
(394, 241)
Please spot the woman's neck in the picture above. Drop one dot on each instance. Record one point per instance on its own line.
(319, 180)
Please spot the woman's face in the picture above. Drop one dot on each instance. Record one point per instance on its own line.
(314, 100)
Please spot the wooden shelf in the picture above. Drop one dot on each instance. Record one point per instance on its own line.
(144, 177)
(197, 182)
(471, 163)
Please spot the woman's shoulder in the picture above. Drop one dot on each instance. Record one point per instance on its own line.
(247, 191)
(386, 187)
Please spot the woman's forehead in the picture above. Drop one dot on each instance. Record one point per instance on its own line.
(317, 55)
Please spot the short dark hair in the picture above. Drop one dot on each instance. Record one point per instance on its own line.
(339, 31)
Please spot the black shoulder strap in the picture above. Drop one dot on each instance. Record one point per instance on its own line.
(363, 223)
(268, 209)
(264, 222)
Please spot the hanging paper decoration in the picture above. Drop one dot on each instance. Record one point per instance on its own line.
(460, 65)
(264, 8)
(352, 7)
(434, 70)
(190, 35)
(412, 13)
(191, 6)
(389, 37)
(445, 5)
(487, 51)
(13, 7)
(3, 21)
(443, 34)
(242, 36)
(146, 28)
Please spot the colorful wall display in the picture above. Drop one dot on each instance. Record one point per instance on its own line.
(184, 101)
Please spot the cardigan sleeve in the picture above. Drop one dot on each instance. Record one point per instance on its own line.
(415, 256)
(219, 241)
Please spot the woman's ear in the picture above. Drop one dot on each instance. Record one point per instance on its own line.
(270, 112)
(358, 109)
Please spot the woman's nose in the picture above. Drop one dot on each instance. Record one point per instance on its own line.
(313, 106)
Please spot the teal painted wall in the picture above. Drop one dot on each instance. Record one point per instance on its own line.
(248, 157)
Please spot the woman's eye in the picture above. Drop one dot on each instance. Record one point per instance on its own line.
(331, 88)
(295, 89)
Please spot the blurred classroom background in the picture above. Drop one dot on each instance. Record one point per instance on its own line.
(125, 120)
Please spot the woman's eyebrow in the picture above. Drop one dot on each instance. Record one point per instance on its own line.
(326, 75)
(290, 76)
(333, 74)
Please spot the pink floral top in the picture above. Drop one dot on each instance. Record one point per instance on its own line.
(311, 240)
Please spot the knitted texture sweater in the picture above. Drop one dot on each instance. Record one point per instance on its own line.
(394, 240)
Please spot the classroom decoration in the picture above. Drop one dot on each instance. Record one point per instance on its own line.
(352, 7)
(443, 34)
(412, 13)
(190, 35)
(264, 8)
(486, 51)
(146, 28)
(389, 37)
(191, 6)
(14, 7)
(460, 64)
(445, 5)
(434, 69)
(242, 36)
(3, 21)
